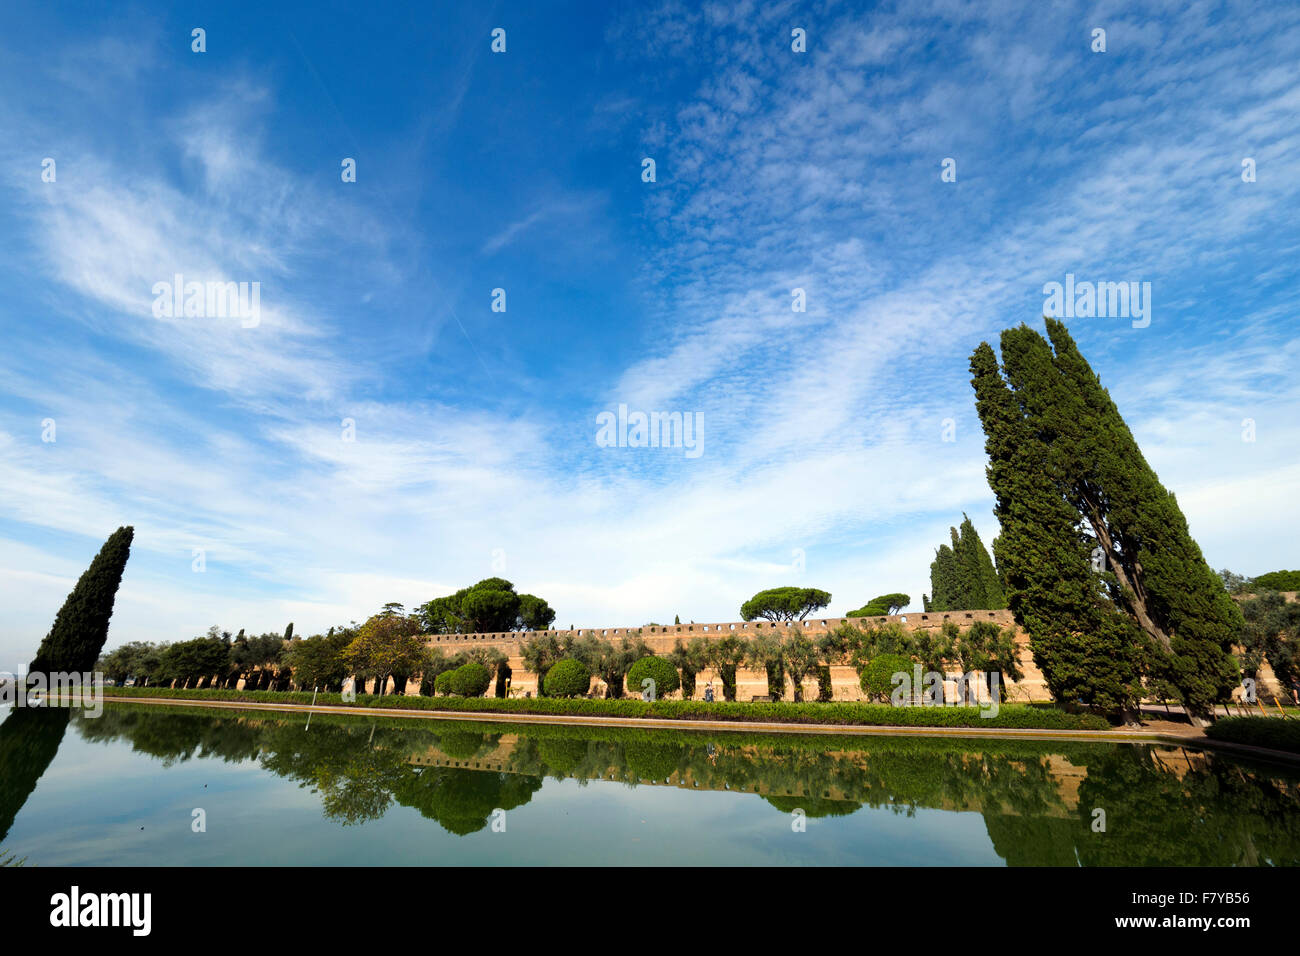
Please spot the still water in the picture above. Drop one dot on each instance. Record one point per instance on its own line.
(133, 786)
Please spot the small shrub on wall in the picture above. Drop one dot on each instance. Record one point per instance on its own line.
(568, 678)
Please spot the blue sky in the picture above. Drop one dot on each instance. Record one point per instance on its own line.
(475, 448)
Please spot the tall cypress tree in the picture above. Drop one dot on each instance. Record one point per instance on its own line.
(1065, 466)
(1086, 651)
(81, 627)
(1157, 571)
(962, 576)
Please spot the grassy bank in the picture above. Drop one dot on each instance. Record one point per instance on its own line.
(1271, 732)
(1011, 716)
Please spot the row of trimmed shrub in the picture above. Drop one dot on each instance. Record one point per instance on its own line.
(848, 713)
(468, 680)
(1275, 733)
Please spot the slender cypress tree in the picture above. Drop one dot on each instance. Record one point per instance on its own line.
(1056, 439)
(962, 577)
(81, 627)
(1159, 574)
(1087, 652)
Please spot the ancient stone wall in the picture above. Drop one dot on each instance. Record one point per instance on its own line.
(749, 683)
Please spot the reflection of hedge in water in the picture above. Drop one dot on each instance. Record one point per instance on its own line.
(562, 756)
(814, 806)
(29, 739)
(462, 801)
(650, 760)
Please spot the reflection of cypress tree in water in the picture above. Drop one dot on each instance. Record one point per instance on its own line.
(461, 801)
(1217, 814)
(29, 739)
(1033, 841)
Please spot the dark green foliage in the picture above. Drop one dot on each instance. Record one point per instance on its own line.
(442, 683)
(877, 677)
(784, 604)
(1271, 632)
(317, 661)
(75, 641)
(765, 650)
(609, 659)
(658, 669)
(190, 662)
(725, 656)
(568, 678)
(883, 605)
(1276, 581)
(29, 739)
(869, 610)
(490, 606)
(836, 712)
(469, 680)
(1076, 448)
(1087, 649)
(986, 648)
(461, 745)
(652, 760)
(825, 688)
(962, 577)
(534, 613)
(540, 653)
(689, 659)
(1275, 733)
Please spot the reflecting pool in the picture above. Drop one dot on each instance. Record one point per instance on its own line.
(153, 785)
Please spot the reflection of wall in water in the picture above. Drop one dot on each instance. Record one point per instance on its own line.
(1066, 776)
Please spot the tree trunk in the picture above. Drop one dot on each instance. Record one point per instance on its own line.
(1130, 584)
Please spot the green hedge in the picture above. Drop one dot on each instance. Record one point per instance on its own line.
(469, 680)
(1275, 733)
(568, 678)
(658, 669)
(1010, 716)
